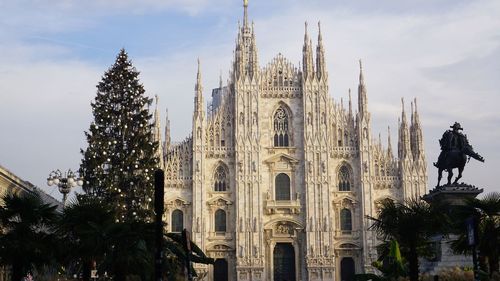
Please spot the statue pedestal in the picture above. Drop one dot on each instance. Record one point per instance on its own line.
(453, 194)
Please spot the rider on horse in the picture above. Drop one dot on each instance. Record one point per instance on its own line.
(455, 149)
(451, 140)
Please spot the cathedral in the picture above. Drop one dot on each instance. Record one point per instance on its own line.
(277, 177)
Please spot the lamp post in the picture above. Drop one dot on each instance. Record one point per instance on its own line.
(64, 182)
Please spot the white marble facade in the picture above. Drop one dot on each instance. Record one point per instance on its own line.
(275, 165)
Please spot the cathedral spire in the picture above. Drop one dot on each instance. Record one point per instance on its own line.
(167, 143)
(307, 57)
(416, 119)
(157, 121)
(403, 113)
(245, 13)
(320, 56)
(245, 61)
(253, 53)
(350, 103)
(157, 132)
(416, 134)
(362, 100)
(412, 117)
(198, 98)
(198, 87)
(389, 144)
(404, 149)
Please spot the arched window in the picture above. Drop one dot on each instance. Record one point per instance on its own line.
(220, 179)
(282, 187)
(345, 179)
(220, 221)
(345, 220)
(177, 221)
(281, 134)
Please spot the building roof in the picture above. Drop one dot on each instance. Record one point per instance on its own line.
(9, 182)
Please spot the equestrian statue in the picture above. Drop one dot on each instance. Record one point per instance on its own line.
(455, 152)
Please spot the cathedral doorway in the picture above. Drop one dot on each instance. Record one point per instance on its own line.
(220, 270)
(284, 262)
(347, 269)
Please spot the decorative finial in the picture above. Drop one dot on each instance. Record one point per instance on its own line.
(199, 68)
(245, 13)
(198, 77)
(156, 99)
(361, 76)
(320, 38)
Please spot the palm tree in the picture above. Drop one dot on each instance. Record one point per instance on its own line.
(26, 238)
(486, 211)
(391, 264)
(411, 224)
(175, 255)
(83, 227)
(122, 249)
(130, 250)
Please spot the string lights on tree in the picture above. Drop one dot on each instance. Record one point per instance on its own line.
(119, 161)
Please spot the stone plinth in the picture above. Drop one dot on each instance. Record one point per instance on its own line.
(453, 194)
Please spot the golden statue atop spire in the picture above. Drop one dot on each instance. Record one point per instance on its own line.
(245, 14)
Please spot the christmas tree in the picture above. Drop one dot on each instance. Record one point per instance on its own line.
(119, 162)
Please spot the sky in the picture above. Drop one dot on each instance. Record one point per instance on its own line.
(446, 53)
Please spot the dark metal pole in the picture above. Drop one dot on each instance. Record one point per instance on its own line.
(159, 205)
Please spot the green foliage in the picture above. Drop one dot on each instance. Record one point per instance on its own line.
(125, 250)
(36, 238)
(411, 224)
(391, 264)
(486, 211)
(26, 237)
(83, 227)
(175, 256)
(119, 162)
(130, 250)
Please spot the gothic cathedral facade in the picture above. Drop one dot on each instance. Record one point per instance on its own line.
(277, 177)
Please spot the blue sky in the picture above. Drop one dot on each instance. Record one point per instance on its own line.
(53, 53)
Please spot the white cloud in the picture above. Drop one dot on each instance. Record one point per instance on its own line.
(446, 55)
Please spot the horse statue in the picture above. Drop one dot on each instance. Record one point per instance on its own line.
(455, 153)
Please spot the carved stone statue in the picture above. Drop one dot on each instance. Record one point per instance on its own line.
(455, 151)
